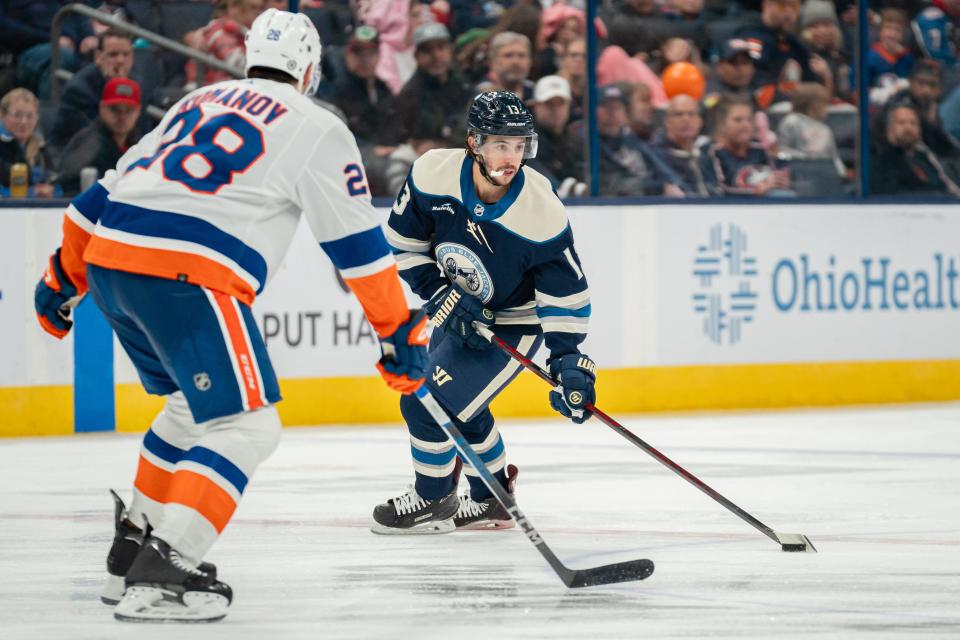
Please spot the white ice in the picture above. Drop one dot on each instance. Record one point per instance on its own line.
(876, 490)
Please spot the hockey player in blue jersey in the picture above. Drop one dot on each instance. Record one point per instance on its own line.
(483, 238)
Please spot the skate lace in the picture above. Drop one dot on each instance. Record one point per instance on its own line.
(468, 507)
(181, 564)
(408, 502)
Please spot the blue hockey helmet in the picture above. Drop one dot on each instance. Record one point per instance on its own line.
(502, 113)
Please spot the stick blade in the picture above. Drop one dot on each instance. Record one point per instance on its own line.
(609, 574)
(795, 542)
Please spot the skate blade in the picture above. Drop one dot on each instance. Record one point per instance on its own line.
(112, 590)
(425, 529)
(156, 605)
(488, 525)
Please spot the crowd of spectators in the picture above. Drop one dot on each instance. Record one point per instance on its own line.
(696, 98)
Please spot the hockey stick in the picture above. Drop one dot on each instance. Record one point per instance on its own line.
(607, 574)
(787, 541)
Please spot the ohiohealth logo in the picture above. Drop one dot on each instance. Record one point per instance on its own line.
(724, 273)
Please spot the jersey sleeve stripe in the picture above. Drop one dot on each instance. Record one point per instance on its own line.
(91, 202)
(75, 241)
(403, 243)
(382, 300)
(165, 225)
(573, 301)
(408, 260)
(79, 219)
(548, 312)
(172, 265)
(368, 269)
(358, 249)
(567, 325)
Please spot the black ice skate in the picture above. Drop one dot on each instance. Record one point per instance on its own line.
(127, 538)
(411, 514)
(489, 514)
(162, 587)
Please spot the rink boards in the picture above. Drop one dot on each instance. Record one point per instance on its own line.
(694, 307)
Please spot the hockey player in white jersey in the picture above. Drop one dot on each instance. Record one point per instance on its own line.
(484, 239)
(173, 246)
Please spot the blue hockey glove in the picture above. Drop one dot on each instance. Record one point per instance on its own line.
(575, 374)
(53, 298)
(454, 311)
(404, 361)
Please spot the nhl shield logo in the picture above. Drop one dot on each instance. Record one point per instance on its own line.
(202, 381)
(478, 210)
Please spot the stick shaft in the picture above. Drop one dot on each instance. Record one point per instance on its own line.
(440, 416)
(626, 433)
(606, 574)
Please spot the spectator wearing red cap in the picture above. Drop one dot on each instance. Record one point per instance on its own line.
(80, 100)
(101, 143)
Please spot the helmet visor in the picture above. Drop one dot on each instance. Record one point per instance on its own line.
(495, 146)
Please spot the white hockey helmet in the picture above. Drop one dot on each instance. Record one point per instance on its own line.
(286, 42)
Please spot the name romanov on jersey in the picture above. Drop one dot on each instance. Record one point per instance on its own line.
(240, 99)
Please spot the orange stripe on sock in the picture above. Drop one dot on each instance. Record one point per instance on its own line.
(202, 495)
(152, 481)
(164, 263)
(241, 350)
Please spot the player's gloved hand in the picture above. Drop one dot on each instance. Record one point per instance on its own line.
(576, 374)
(454, 311)
(404, 361)
(54, 297)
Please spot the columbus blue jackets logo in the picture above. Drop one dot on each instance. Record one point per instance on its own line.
(724, 274)
(461, 265)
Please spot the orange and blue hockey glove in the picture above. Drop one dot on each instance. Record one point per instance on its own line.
(53, 299)
(404, 361)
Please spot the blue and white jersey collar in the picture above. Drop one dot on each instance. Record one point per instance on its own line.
(479, 210)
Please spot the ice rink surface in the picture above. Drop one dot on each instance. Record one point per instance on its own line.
(878, 492)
